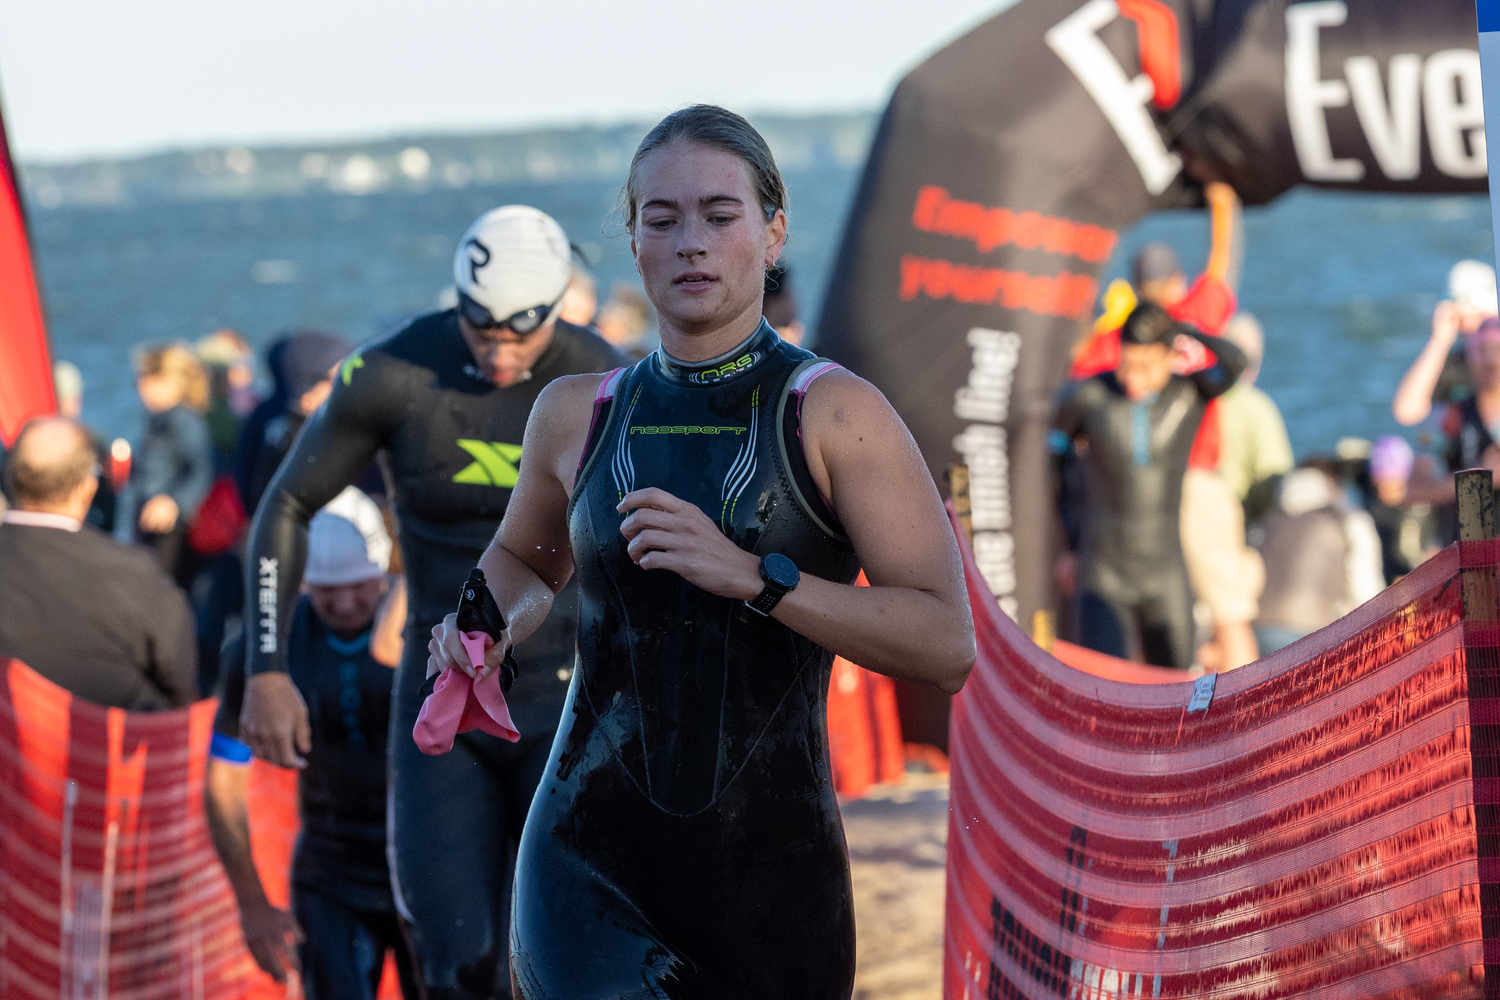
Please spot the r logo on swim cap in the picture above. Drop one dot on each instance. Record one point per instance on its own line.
(475, 260)
(525, 255)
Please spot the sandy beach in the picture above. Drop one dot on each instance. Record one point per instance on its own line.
(897, 845)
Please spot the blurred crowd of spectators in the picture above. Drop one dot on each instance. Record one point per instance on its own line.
(1276, 548)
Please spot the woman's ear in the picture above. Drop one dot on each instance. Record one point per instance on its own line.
(776, 229)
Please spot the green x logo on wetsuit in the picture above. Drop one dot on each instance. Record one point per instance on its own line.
(494, 463)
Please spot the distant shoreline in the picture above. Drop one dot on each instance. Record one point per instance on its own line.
(582, 152)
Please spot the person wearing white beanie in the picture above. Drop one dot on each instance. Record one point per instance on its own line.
(343, 916)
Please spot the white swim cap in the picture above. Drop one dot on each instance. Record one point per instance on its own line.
(354, 505)
(347, 542)
(513, 258)
(1472, 282)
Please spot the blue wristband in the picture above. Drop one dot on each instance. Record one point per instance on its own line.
(229, 750)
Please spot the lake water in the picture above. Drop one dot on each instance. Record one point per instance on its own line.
(1344, 284)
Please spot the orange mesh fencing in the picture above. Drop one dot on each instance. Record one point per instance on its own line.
(109, 884)
(864, 728)
(1319, 823)
(271, 804)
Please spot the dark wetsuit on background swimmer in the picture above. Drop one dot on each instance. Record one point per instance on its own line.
(341, 886)
(685, 841)
(1139, 422)
(445, 400)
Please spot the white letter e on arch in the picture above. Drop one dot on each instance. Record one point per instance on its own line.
(1075, 39)
(1307, 94)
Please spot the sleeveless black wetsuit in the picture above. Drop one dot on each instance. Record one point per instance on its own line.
(341, 887)
(451, 444)
(1131, 573)
(685, 841)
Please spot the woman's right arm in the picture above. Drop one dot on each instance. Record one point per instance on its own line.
(530, 558)
(1413, 400)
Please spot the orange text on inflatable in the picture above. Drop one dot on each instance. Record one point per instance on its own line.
(1067, 295)
(989, 227)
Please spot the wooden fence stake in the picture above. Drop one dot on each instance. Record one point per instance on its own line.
(958, 487)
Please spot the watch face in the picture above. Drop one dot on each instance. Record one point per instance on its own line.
(780, 570)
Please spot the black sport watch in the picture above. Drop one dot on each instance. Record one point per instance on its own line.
(781, 578)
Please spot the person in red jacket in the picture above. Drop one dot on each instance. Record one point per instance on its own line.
(1157, 276)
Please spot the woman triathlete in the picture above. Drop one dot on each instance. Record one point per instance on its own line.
(717, 500)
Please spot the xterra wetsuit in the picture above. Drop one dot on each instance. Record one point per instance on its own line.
(685, 841)
(1131, 576)
(341, 888)
(452, 441)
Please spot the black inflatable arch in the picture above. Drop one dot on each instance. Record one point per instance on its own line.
(1007, 164)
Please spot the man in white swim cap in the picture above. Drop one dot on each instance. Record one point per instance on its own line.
(445, 402)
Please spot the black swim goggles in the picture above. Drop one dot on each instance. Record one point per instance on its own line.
(522, 324)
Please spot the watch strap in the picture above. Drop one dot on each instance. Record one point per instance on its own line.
(767, 599)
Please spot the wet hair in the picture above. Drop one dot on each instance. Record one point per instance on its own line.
(181, 365)
(1148, 323)
(718, 128)
(778, 280)
(41, 477)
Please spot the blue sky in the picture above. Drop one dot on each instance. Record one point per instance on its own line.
(104, 77)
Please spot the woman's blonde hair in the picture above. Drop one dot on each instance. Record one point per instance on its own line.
(178, 363)
(717, 128)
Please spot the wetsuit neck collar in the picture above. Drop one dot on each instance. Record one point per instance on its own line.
(747, 355)
(347, 647)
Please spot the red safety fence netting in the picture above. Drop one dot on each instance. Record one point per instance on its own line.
(1319, 823)
(109, 885)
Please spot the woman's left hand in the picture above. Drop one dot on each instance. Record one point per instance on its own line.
(667, 533)
(159, 514)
